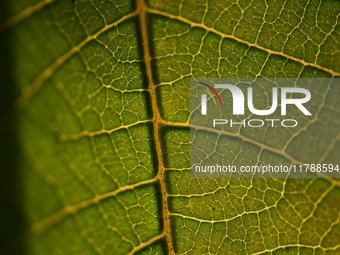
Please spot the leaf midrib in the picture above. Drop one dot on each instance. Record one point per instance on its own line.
(157, 120)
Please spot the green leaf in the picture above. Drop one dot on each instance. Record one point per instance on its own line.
(95, 127)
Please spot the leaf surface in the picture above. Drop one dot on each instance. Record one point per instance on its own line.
(95, 127)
